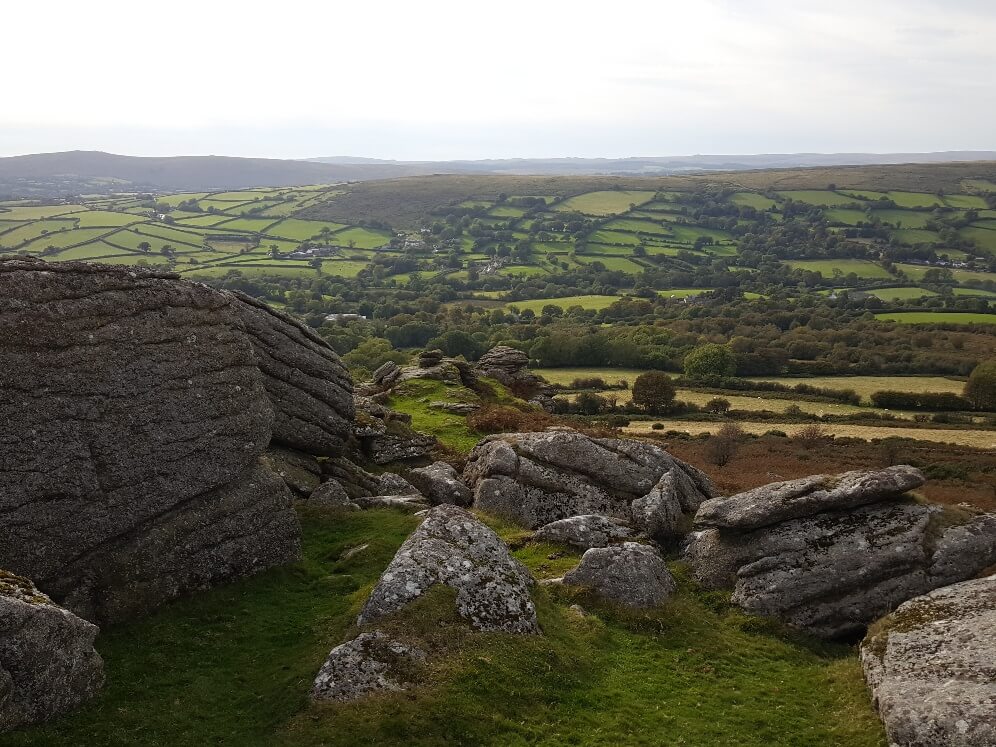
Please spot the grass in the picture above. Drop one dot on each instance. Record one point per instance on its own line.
(899, 294)
(413, 398)
(846, 216)
(978, 439)
(936, 317)
(301, 230)
(914, 199)
(585, 302)
(752, 199)
(914, 236)
(861, 268)
(866, 385)
(233, 666)
(619, 264)
(820, 197)
(608, 202)
(916, 272)
(984, 236)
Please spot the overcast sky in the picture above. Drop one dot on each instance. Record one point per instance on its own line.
(439, 80)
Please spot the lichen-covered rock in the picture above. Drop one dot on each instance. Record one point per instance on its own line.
(510, 367)
(441, 483)
(411, 502)
(391, 483)
(584, 532)
(332, 495)
(133, 419)
(307, 383)
(792, 499)
(386, 374)
(663, 512)
(386, 436)
(300, 472)
(629, 574)
(835, 572)
(536, 478)
(452, 547)
(48, 664)
(931, 667)
(355, 480)
(371, 662)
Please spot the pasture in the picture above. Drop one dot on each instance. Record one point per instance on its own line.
(592, 303)
(936, 317)
(830, 267)
(609, 202)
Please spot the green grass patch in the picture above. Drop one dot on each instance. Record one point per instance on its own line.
(591, 302)
(914, 199)
(413, 397)
(607, 202)
(916, 272)
(752, 199)
(616, 264)
(845, 216)
(302, 230)
(982, 234)
(899, 294)
(861, 268)
(362, 238)
(914, 236)
(936, 317)
(968, 202)
(819, 197)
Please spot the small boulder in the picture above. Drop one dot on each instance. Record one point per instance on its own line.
(795, 499)
(584, 532)
(452, 547)
(391, 483)
(630, 574)
(931, 667)
(48, 665)
(371, 662)
(332, 494)
(300, 472)
(441, 483)
(414, 502)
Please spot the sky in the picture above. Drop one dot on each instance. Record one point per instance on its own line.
(435, 80)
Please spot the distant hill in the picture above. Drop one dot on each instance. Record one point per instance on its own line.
(82, 172)
(662, 165)
(75, 172)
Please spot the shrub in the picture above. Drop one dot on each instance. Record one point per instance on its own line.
(724, 444)
(589, 382)
(776, 434)
(709, 362)
(810, 436)
(794, 410)
(920, 400)
(718, 406)
(657, 426)
(503, 419)
(980, 389)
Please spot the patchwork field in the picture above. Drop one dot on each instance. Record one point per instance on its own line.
(936, 317)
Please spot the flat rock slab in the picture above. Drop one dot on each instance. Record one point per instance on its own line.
(795, 499)
(584, 532)
(931, 667)
(48, 665)
(371, 662)
(630, 574)
(452, 547)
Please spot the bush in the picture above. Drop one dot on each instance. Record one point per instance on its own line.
(981, 387)
(723, 446)
(718, 406)
(589, 382)
(920, 401)
(810, 436)
(503, 419)
(657, 426)
(776, 434)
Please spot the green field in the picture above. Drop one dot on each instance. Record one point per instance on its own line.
(916, 272)
(585, 302)
(820, 197)
(753, 199)
(861, 268)
(604, 203)
(936, 317)
(900, 294)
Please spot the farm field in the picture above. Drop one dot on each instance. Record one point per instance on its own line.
(861, 268)
(979, 439)
(867, 385)
(585, 302)
(936, 317)
(604, 203)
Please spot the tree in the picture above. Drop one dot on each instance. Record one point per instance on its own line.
(710, 362)
(980, 389)
(718, 406)
(654, 392)
(144, 246)
(723, 446)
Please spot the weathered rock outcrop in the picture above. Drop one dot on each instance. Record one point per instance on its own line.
(510, 367)
(386, 436)
(793, 499)
(584, 532)
(931, 667)
(441, 483)
(48, 665)
(835, 571)
(309, 387)
(629, 574)
(134, 416)
(452, 547)
(536, 478)
(300, 472)
(371, 662)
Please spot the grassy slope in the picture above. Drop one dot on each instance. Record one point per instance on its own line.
(233, 666)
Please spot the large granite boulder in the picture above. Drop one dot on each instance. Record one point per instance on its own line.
(307, 384)
(131, 428)
(584, 532)
(371, 662)
(931, 667)
(48, 665)
(792, 499)
(510, 367)
(629, 574)
(536, 478)
(441, 483)
(452, 547)
(838, 569)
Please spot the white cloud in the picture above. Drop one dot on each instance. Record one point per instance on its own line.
(458, 79)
